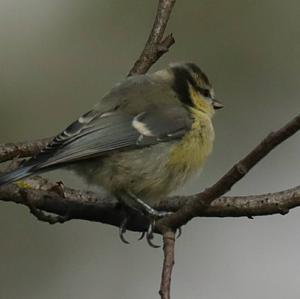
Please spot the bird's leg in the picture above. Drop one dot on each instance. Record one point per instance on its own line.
(140, 205)
(152, 214)
(131, 201)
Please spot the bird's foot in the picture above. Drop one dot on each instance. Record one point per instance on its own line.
(122, 230)
(149, 233)
(136, 204)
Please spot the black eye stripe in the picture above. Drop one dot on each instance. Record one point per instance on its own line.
(182, 78)
(205, 92)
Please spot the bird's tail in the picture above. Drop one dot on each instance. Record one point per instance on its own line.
(15, 175)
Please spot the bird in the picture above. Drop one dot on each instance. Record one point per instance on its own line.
(141, 141)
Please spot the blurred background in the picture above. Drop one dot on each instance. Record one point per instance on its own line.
(58, 57)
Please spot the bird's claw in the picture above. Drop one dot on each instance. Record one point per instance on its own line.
(153, 215)
(122, 231)
(142, 236)
(178, 233)
(149, 235)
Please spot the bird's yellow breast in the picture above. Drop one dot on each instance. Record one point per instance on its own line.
(190, 153)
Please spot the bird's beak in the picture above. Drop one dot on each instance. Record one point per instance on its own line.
(217, 104)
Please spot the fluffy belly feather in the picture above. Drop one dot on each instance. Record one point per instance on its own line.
(153, 172)
(191, 152)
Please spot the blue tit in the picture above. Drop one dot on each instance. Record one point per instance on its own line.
(143, 139)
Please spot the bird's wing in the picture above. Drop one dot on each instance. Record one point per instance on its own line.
(130, 116)
(95, 134)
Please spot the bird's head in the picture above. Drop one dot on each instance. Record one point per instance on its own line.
(193, 87)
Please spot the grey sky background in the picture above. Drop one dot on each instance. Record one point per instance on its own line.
(59, 57)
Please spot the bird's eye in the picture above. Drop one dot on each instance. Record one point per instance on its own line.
(205, 92)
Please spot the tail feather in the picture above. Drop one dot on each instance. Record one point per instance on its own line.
(16, 175)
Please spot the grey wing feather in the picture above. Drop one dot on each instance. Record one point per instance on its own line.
(119, 130)
(106, 134)
(166, 122)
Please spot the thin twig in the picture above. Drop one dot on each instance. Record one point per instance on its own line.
(238, 171)
(169, 261)
(9, 151)
(156, 45)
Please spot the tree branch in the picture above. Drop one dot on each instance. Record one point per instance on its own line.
(156, 45)
(9, 151)
(90, 206)
(169, 261)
